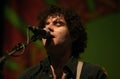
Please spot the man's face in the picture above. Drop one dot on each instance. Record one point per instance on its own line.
(59, 30)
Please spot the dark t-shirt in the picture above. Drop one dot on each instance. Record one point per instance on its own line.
(43, 71)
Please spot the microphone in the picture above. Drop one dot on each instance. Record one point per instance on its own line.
(40, 33)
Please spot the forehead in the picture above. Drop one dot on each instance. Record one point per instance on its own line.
(55, 16)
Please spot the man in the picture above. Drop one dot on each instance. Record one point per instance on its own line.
(68, 41)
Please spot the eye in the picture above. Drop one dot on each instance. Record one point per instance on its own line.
(47, 23)
(59, 23)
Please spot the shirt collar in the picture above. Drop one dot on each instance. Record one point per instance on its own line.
(70, 67)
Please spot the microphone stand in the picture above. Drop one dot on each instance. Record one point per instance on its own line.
(19, 47)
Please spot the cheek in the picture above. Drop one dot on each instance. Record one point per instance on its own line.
(62, 35)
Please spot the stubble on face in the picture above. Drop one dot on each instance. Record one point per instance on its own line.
(62, 39)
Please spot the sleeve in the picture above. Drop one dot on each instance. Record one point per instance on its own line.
(91, 71)
(102, 74)
(30, 72)
(24, 75)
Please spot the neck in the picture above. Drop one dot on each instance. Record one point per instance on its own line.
(60, 57)
(59, 61)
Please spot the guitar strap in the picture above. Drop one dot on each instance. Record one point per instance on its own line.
(79, 69)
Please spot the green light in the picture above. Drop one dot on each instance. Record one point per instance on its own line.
(52, 2)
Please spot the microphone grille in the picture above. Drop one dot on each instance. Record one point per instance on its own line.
(47, 35)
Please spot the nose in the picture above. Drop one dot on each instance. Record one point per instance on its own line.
(50, 27)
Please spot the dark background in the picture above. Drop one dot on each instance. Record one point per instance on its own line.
(100, 17)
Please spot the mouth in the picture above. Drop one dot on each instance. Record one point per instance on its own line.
(49, 42)
(51, 36)
(48, 36)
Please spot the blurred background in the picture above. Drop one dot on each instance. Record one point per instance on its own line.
(100, 17)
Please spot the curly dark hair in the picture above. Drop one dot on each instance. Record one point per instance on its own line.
(74, 25)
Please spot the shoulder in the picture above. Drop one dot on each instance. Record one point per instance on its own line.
(34, 70)
(28, 73)
(89, 66)
(93, 71)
